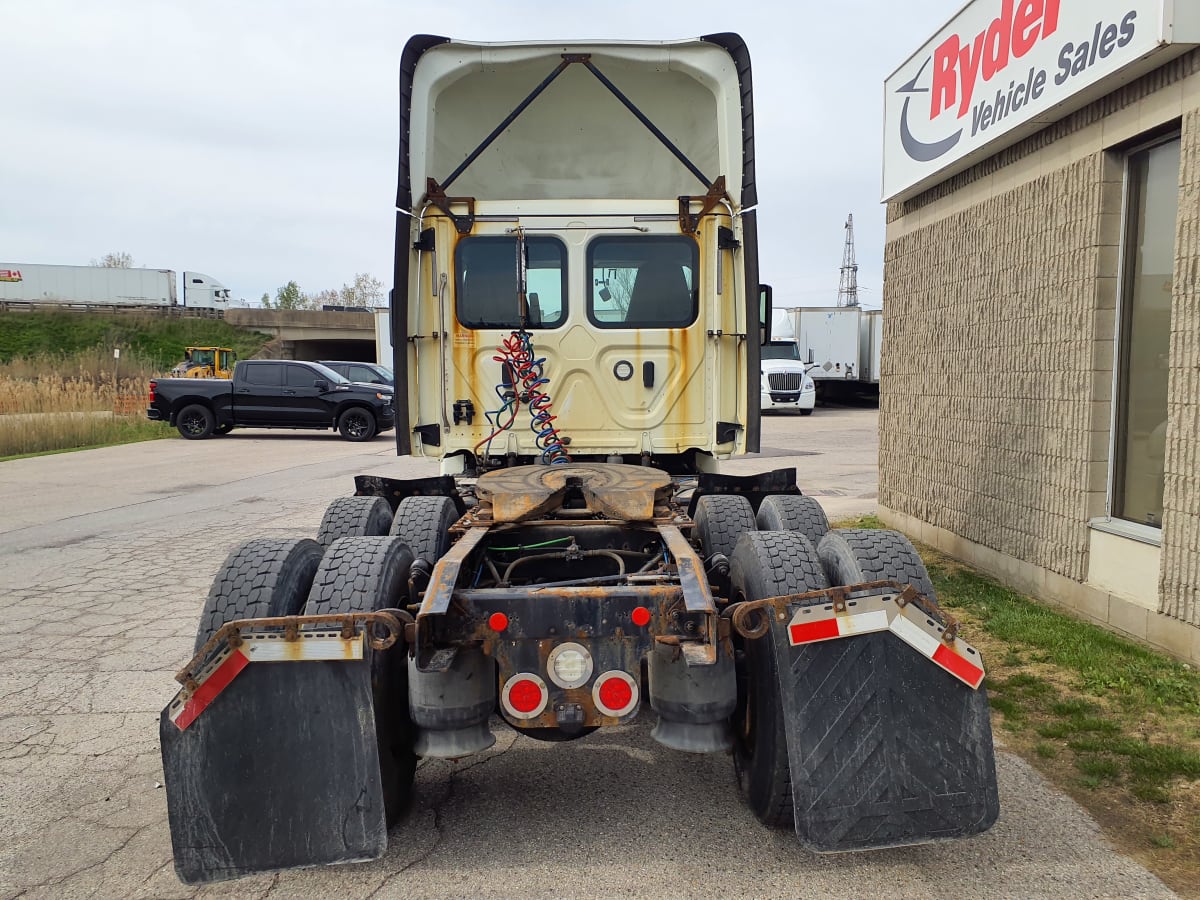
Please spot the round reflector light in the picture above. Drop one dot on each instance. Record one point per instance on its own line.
(615, 693)
(498, 621)
(641, 617)
(525, 696)
(569, 665)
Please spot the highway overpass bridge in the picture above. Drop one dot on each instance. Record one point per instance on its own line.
(312, 334)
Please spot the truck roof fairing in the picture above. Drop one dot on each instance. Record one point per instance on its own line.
(576, 139)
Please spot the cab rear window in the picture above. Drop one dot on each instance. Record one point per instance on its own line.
(486, 282)
(643, 282)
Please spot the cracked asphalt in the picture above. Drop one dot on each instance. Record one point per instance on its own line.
(105, 558)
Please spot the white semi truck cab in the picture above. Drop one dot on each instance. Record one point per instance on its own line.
(619, 244)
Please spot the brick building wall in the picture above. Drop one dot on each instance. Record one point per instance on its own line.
(1180, 576)
(1000, 297)
(986, 416)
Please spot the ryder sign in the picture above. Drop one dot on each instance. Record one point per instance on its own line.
(1002, 69)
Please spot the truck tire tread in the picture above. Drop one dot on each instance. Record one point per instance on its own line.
(720, 520)
(793, 512)
(856, 555)
(423, 523)
(767, 564)
(354, 517)
(262, 577)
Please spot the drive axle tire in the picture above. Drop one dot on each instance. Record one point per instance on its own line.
(766, 564)
(357, 424)
(355, 517)
(366, 574)
(720, 520)
(263, 577)
(857, 555)
(423, 523)
(793, 512)
(195, 422)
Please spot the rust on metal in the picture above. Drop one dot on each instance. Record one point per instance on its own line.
(446, 572)
(611, 491)
(230, 633)
(436, 197)
(745, 621)
(688, 223)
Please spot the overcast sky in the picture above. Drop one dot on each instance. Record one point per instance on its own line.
(256, 141)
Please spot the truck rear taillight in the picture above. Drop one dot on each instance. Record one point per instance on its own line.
(153, 386)
(525, 696)
(615, 693)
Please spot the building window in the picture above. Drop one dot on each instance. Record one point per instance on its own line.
(1151, 212)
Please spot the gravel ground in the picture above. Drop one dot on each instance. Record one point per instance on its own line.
(105, 558)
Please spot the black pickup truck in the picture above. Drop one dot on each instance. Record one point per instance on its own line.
(272, 393)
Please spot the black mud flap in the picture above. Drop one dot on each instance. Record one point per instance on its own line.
(886, 748)
(280, 770)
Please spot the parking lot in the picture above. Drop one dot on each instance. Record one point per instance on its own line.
(105, 559)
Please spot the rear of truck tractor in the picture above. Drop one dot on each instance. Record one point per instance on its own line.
(563, 600)
(580, 322)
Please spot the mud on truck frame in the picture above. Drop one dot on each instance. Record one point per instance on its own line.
(577, 303)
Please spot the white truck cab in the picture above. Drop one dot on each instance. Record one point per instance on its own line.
(204, 291)
(579, 278)
(786, 384)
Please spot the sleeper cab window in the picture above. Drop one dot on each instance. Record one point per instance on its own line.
(643, 282)
(486, 289)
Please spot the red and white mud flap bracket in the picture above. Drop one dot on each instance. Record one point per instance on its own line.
(270, 756)
(887, 725)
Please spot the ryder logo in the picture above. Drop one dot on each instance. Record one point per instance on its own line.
(959, 66)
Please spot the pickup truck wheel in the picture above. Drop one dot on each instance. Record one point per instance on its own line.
(720, 520)
(793, 512)
(355, 517)
(766, 564)
(195, 422)
(263, 577)
(366, 574)
(855, 555)
(423, 523)
(357, 424)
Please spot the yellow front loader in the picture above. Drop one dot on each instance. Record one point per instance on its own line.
(206, 362)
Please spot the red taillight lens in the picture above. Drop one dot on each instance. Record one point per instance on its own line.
(615, 693)
(641, 617)
(498, 621)
(524, 696)
(153, 387)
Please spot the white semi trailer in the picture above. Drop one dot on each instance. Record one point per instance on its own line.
(105, 286)
(828, 337)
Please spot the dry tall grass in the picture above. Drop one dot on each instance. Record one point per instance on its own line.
(48, 405)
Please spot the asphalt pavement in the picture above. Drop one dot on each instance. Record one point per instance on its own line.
(105, 559)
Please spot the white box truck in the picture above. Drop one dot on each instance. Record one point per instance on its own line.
(828, 337)
(28, 283)
(870, 342)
